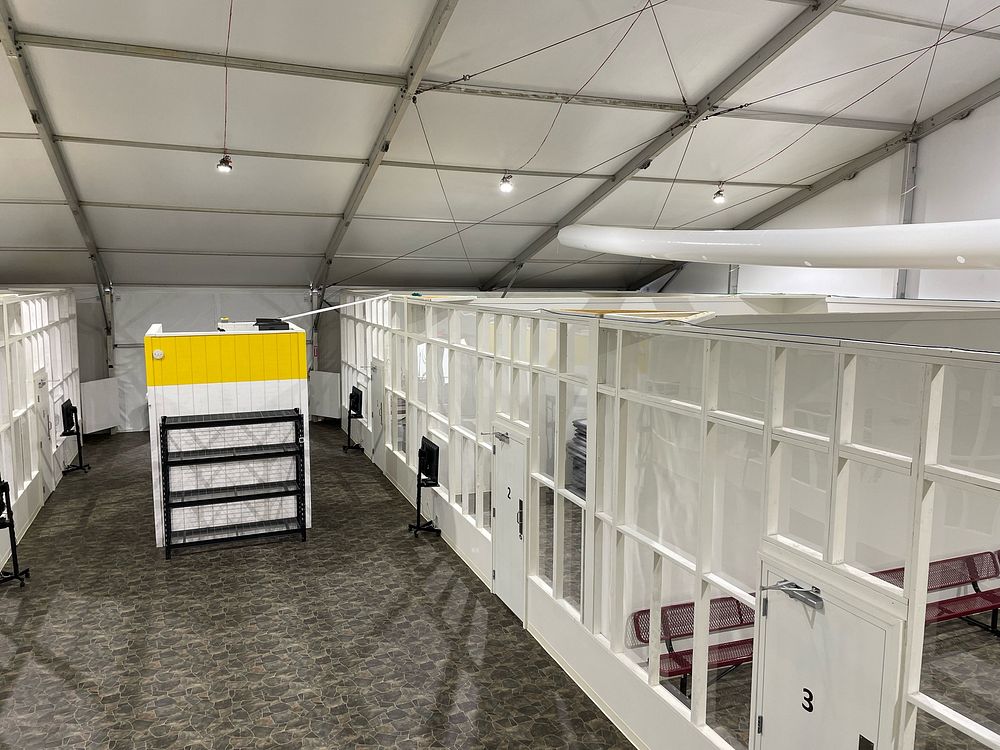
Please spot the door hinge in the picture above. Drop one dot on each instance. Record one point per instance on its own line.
(494, 449)
(494, 575)
(760, 725)
(493, 512)
(763, 607)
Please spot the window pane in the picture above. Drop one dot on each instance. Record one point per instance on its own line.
(465, 372)
(420, 371)
(466, 334)
(737, 465)
(400, 424)
(572, 554)
(486, 408)
(887, 404)
(729, 654)
(548, 397)
(521, 395)
(662, 475)
(933, 734)
(606, 454)
(663, 365)
(502, 387)
(742, 376)
(810, 390)
(607, 356)
(575, 434)
(803, 478)
(546, 509)
(522, 339)
(879, 516)
(548, 331)
(485, 479)
(961, 666)
(970, 420)
(603, 576)
(577, 349)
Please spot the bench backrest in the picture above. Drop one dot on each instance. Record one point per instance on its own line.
(951, 573)
(677, 620)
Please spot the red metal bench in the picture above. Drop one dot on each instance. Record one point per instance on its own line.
(677, 622)
(953, 573)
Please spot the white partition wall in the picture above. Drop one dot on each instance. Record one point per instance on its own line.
(39, 370)
(677, 467)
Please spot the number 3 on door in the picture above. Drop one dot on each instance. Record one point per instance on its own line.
(807, 700)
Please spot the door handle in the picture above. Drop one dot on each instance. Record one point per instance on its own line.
(520, 519)
(810, 597)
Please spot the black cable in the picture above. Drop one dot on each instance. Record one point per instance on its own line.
(437, 173)
(670, 60)
(562, 104)
(930, 68)
(470, 76)
(677, 172)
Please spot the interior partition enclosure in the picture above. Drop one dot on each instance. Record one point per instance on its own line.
(664, 459)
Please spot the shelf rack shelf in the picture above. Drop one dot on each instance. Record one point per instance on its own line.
(178, 500)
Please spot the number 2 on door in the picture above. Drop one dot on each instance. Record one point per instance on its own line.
(807, 700)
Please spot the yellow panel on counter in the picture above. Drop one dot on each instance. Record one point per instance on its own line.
(225, 358)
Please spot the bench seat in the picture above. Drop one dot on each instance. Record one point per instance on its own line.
(963, 606)
(720, 656)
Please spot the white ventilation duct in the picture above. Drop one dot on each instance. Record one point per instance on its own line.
(958, 244)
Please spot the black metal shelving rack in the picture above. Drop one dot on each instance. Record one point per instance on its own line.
(177, 499)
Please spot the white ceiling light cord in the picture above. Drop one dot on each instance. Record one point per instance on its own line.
(225, 164)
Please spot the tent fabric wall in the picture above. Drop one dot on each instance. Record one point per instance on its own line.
(182, 309)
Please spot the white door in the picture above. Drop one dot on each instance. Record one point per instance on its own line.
(510, 521)
(43, 429)
(376, 400)
(822, 674)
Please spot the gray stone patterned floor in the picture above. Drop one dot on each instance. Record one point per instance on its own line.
(361, 637)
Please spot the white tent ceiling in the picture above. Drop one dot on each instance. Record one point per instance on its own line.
(133, 92)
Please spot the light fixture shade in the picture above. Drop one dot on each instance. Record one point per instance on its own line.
(507, 183)
(225, 164)
(720, 196)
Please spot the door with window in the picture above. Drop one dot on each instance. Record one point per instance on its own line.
(824, 673)
(509, 518)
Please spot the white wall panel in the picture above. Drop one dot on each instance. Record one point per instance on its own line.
(25, 171)
(149, 229)
(122, 175)
(871, 198)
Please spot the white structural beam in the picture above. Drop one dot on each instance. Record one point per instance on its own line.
(433, 31)
(957, 111)
(399, 82)
(791, 33)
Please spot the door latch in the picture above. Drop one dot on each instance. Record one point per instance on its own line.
(520, 519)
(808, 596)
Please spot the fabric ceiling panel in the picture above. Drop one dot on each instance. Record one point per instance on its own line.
(960, 67)
(122, 175)
(272, 112)
(107, 96)
(132, 229)
(38, 226)
(14, 116)
(930, 10)
(375, 35)
(717, 35)
(609, 275)
(505, 133)
(558, 252)
(198, 25)
(722, 148)
(52, 266)
(435, 240)
(25, 171)
(414, 274)
(213, 270)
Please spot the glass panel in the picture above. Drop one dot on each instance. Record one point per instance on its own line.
(934, 734)
(548, 331)
(742, 378)
(521, 395)
(887, 404)
(439, 402)
(503, 336)
(444, 460)
(546, 509)
(439, 323)
(969, 437)
(810, 390)
(419, 353)
(961, 665)
(467, 324)
(607, 362)
(399, 363)
(485, 479)
(577, 349)
(572, 554)
(575, 435)
(468, 468)
(603, 576)
(486, 407)
(400, 411)
(606, 454)
(636, 598)
(730, 649)
(879, 516)
(417, 319)
(548, 399)
(503, 390)
(737, 467)
(803, 480)
(663, 365)
(662, 475)
(465, 372)
(676, 628)
(487, 332)
(522, 340)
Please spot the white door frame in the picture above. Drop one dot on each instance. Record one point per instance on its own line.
(504, 520)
